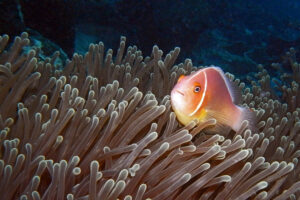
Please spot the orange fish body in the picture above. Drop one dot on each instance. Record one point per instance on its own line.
(208, 93)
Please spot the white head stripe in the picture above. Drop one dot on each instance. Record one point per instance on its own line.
(194, 74)
(203, 96)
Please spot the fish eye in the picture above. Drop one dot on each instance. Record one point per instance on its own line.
(197, 89)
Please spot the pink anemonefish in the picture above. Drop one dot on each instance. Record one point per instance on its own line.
(208, 93)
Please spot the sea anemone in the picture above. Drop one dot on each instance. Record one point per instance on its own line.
(101, 127)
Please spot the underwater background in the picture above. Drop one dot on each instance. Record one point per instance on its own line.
(236, 35)
(85, 109)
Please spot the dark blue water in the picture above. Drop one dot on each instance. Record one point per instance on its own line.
(236, 35)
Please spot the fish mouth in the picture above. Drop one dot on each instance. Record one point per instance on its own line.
(178, 101)
(180, 92)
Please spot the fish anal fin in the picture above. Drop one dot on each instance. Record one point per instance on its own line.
(249, 115)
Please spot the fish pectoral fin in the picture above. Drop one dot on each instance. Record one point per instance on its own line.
(218, 128)
(220, 116)
(223, 123)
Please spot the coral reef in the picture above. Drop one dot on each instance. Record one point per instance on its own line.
(102, 127)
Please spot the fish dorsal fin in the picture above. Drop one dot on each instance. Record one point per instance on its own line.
(234, 90)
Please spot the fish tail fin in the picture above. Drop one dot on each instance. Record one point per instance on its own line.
(246, 114)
